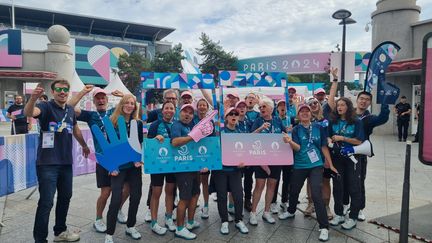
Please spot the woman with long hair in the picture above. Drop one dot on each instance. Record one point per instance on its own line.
(160, 130)
(345, 130)
(130, 172)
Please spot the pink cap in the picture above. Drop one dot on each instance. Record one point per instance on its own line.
(234, 94)
(319, 90)
(186, 106)
(187, 92)
(292, 88)
(303, 106)
(280, 101)
(228, 111)
(98, 90)
(240, 102)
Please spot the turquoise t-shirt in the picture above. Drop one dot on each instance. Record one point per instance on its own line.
(310, 139)
(342, 128)
(95, 118)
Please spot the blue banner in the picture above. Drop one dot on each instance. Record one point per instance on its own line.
(164, 158)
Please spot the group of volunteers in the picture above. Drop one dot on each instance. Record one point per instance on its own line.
(320, 131)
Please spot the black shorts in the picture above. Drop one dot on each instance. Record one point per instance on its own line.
(158, 179)
(188, 184)
(102, 177)
(275, 172)
(327, 173)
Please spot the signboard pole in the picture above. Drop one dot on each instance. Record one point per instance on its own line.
(404, 220)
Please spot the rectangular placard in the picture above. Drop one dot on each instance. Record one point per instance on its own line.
(255, 149)
(164, 158)
(425, 129)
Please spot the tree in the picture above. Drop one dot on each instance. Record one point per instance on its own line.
(214, 57)
(130, 68)
(169, 61)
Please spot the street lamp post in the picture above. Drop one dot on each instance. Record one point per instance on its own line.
(344, 15)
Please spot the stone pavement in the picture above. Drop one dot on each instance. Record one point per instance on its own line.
(384, 193)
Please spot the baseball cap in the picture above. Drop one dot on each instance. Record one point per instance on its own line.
(240, 102)
(98, 90)
(280, 101)
(303, 106)
(292, 88)
(187, 92)
(319, 90)
(234, 94)
(186, 106)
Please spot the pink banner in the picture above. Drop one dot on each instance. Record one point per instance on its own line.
(427, 113)
(82, 165)
(255, 149)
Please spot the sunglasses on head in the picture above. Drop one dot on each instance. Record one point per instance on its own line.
(58, 89)
(233, 114)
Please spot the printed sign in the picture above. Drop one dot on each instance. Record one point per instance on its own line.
(164, 158)
(425, 147)
(255, 149)
(10, 48)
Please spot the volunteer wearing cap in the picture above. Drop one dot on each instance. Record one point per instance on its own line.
(186, 97)
(286, 169)
(187, 182)
(103, 180)
(292, 105)
(229, 179)
(251, 100)
(309, 143)
(266, 123)
(320, 95)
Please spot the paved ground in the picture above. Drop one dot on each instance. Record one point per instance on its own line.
(384, 192)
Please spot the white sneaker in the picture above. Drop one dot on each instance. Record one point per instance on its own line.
(169, 223)
(231, 210)
(192, 226)
(158, 229)
(205, 213)
(224, 228)
(121, 218)
(284, 206)
(361, 216)
(67, 236)
(242, 227)
(345, 209)
(133, 233)
(99, 226)
(109, 239)
(286, 215)
(230, 218)
(185, 234)
(174, 214)
(253, 219)
(349, 224)
(274, 208)
(323, 235)
(337, 220)
(268, 218)
(147, 216)
(214, 196)
(176, 201)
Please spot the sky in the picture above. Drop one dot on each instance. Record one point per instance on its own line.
(248, 28)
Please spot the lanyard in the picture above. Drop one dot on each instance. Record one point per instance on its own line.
(65, 115)
(310, 138)
(243, 124)
(271, 125)
(101, 119)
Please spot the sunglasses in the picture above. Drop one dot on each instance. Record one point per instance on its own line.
(233, 114)
(58, 89)
(313, 103)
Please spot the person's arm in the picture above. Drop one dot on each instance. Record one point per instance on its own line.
(287, 139)
(333, 89)
(75, 99)
(78, 136)
(117, 93)
(207, 96)
(180, 141)
(326, 152)
(382, 117)
(30, 110)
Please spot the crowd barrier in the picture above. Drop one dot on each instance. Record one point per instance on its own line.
(18, 161)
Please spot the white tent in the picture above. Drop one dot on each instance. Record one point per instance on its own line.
(116, 84)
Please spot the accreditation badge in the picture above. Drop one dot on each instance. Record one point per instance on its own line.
(313, 156)
(48, 140)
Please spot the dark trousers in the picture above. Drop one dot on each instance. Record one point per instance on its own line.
(133, 177)
(231, 180)
(50, 179)
(248, 182)
(315, 176)
(362, 160)
(403, 125)
(349, 177)
(286, 177)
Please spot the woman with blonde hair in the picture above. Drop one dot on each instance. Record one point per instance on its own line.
(129, 172)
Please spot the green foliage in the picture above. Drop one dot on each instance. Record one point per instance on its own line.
(130, 68)
(214, 57)
(169, 61)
